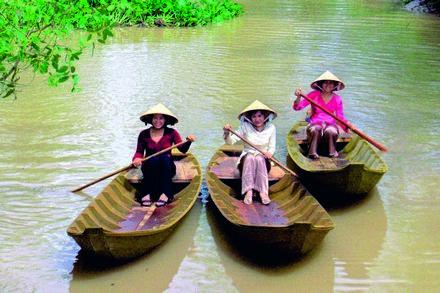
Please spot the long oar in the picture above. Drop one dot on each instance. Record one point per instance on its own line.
(128, 167)
(260, 151)
(347, 124)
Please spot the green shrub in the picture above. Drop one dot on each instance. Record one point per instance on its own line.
(35, 33)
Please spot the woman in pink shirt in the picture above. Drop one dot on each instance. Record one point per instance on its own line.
(322, 126)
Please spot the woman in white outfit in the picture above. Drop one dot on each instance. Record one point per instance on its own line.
(256, 126)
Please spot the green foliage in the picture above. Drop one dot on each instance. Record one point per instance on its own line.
(35, 33)
(169, 12)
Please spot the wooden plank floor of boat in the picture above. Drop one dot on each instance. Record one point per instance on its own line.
(259, 214)
(146, 218)
(329, 163)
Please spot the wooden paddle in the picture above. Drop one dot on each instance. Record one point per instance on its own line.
(347, 124)
(260, 151)
(129, 166)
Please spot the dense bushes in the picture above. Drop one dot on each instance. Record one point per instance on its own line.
(168, 12)
(35, 33)
(432, 5)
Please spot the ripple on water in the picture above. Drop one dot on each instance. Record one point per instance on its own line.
(52, 141)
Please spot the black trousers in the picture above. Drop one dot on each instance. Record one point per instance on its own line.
(158, 174)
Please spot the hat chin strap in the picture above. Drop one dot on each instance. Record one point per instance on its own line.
(268, 118)
(334, 89)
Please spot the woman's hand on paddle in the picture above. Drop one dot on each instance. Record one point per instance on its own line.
(268, 155)
(227, 128)
(191, 137)
(298, 93)
(137, 162)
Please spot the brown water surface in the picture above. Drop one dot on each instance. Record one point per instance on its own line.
(52, 141)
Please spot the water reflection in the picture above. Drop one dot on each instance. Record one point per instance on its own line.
(150, 273)
(357, 241)
(251, 270)
(52, 141)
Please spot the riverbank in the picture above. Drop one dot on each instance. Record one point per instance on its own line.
(423, 6)
(169, 13)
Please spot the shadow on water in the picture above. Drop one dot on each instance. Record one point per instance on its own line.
(151, 272)
(342, 261)
(87, 263)
(341, 202)
(258, 269)
(357, 240)
(246, 252)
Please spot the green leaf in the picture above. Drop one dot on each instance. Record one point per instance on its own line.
(107, 33)
(43, 67)
(62, 69)
(63, 78)
(55, 60)
(35, 46)
(8, 93)
(75, 78)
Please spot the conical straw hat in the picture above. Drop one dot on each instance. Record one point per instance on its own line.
(257, 105)
(159, 109)
(328, 76)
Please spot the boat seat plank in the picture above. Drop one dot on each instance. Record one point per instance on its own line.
(226, 168)
(301, 136)
(184, 173)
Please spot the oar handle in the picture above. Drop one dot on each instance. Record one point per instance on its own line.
(129, 166)
(260, 151)
(347, 124)
(102, 178)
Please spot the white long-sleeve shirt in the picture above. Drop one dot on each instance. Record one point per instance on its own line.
(265, 140)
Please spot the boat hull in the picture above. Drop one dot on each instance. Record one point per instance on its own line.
(356, 172)
(114, 225)
(292, 224)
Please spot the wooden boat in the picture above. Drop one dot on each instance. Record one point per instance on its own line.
(293, 223)
(115, 225)
(356, 171)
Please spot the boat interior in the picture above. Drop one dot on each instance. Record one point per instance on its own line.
(300, 136)
(185, 172)
(291, 203)
(225, 168)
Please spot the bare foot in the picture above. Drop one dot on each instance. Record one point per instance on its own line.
(264, 198)
(248, 197)
(314, 156)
